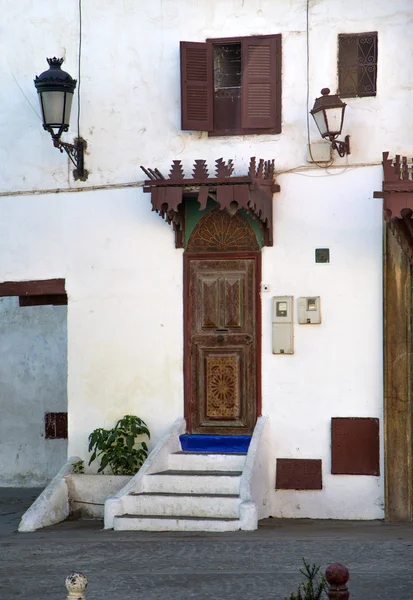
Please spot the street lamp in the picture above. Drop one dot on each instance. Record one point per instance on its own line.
(55, 88)
(328, 113)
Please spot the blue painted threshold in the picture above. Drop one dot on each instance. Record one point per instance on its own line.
(215, 443)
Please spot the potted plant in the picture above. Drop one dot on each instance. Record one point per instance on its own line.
(117, 448)
(121, 452)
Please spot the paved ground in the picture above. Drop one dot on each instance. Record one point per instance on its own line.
(261, 565)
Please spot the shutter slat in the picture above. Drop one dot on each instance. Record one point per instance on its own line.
(196, 86)
(261, 83)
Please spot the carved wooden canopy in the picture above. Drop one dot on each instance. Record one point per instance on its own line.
(397, 193)
(252, 192)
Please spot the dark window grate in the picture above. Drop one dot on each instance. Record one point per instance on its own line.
(55, 426)
(227, 68)
(357, 65)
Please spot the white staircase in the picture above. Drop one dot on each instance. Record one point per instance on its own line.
(199, 491)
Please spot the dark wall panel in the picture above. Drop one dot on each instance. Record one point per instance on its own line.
(32, 288)
(355, 446)
(298, 474)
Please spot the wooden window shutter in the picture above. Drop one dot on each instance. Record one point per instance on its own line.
(197, 93)
(261, 83)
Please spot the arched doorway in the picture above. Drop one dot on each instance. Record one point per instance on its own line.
(222, 325)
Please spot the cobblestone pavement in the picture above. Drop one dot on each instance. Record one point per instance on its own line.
(244, 565)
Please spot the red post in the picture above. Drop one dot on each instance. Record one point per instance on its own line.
(337, 576)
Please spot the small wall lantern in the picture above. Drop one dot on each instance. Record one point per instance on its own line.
(328, 113)
(55, 88)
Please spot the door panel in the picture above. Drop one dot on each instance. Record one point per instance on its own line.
(222, 345)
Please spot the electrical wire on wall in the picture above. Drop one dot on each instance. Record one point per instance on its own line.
(321, 166)
(79, 63)
(26, 98)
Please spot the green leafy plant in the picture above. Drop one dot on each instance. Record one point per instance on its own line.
(117, 448)
(315, 586)
(78, 466)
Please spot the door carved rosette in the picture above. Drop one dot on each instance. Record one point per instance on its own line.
(222, 387)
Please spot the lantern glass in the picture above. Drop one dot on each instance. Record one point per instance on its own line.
(55, 106)
(334, 117)
(321, 122)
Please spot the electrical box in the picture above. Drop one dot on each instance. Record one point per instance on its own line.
(282, 325)
(309, 311)
(319, 152)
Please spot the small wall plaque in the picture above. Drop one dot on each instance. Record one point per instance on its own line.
(322, 255)
(298, 474)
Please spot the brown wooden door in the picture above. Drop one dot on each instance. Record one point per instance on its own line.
(221, 347)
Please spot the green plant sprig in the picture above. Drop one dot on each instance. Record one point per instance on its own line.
(315, 586)
(118, 448)
(78, 466)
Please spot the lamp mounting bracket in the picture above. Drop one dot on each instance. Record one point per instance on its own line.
(342, 148)
(76, 153)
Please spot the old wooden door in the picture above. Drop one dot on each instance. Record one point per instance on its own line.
(221, 343)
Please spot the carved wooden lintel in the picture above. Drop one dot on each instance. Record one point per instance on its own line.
(252, 192)
(397, 188)
(397, 194)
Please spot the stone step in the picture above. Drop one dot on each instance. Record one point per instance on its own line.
(193, 482)
(203, 461)
(185, 505)
(173, 523)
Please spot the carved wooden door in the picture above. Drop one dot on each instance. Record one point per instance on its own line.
(222, 345)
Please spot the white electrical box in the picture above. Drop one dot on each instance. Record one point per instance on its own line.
(319, 152)
(309, 310)
(282, 325)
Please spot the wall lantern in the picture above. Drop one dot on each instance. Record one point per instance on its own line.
(55, 88)
(328, 113)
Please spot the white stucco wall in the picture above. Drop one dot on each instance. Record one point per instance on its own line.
(130, 82)
(124, 286)
(33, 381)
(123, 274)
(336, 370)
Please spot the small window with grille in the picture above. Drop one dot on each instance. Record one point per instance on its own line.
(232, 86)
(357, 65)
